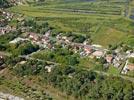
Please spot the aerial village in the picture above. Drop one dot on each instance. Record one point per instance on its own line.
(86, 49)
(66, 50)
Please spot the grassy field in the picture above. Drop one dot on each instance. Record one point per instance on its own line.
(108, 35)
(103, 20)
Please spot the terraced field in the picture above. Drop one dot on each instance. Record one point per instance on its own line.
(102, 19)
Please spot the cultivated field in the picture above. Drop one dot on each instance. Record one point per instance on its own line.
(107, 21)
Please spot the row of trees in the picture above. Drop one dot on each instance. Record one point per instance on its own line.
(35, 27)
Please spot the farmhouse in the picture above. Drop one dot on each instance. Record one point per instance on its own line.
(130, 67)
(48, 33)
(45, 39)
(88, 49)
(34, 36)
(109, 58)
(98, 54)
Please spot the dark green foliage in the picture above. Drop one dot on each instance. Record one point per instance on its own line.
(30, 23)
(59, 55)
(76, 38)
(87, 85)
(4, 3)
(27, 48)
(112, 47)
(73, 60)
(35, 27)
(22, 49)
(79, 39)
(8, 37)
(130, 41)
(102, 60)
(30, 68)
(2, 47)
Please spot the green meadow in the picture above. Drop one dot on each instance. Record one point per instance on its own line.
(107, 21)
